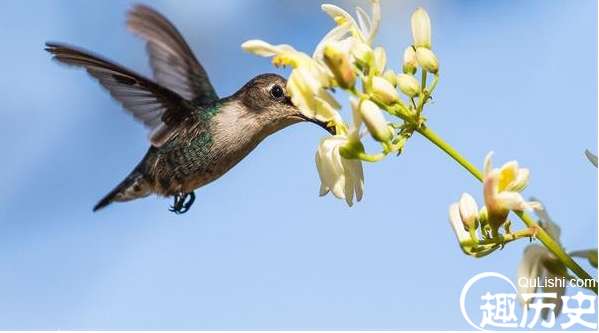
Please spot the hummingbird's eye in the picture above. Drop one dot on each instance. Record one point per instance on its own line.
(277, 92)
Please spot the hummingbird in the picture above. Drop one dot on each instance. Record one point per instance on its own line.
(195, 136)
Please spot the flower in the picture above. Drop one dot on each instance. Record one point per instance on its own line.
(421, 28)
(457, 224)
(356, 36)
(366, 27)
(501, 189)
(390, 76)
(408, 85)
(311, 77)
(380, 60)
(383, 91)
(539, 264)
(339, 63)
(341, 176)
(463, 218)
(375, 120)
(409, 60)
(427, 60)
(468, 211)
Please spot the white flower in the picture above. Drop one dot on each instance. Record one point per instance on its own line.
(383, 91)
(380, 60)
(409, 60)
(460, 216)
(356, 37)
(421, 28)
(455, 220)
(375, 120)
(427, 60)
(538, 263)
(366, 27)
(339, 64)
(468, 211)
(501, 189)
(342, 177)
(390, 76)
(408, 85)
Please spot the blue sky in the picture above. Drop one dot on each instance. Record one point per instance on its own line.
(260, 249)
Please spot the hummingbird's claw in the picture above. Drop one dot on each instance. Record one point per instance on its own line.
(179, 205)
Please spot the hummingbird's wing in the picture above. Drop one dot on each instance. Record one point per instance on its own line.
(157, 107)
(173, 62)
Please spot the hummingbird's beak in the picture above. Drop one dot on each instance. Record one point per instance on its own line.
(326, 126)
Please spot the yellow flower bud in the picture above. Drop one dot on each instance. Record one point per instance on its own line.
(375, 121)
(409, 60)
(408, 85)
(390, 76)
(427, 59)
(421, 28)
(383, 91)
(339, 64)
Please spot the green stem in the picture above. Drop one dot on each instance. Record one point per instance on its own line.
(543, 236)
(501, 239)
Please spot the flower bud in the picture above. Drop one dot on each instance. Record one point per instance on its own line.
(361, 52)
(408, 85)
(390, 76)
(409, 60)
(380, 60)
(468, 211)
(375, 121)
(421, 28)
(339, 64)
(383, 91)
(427, 59)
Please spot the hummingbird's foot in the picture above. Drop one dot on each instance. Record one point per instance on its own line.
(179, 205)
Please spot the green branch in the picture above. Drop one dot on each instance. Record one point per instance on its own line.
(542, 235)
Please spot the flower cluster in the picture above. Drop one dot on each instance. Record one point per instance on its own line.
(345, 59)
(501, 192)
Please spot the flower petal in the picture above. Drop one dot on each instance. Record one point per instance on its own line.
(511, 201)
(338, 15)
(468, 210)
(456, 223)
(363, 21)
(336, 34)
(260, 47)
(520, 182)
(488, 164)
(507, 174)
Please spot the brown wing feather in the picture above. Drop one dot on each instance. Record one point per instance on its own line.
(157, 107)
(173, 62)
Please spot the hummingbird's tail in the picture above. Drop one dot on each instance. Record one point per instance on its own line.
(133, 187)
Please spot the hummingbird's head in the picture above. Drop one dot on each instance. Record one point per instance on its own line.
(268, 101)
